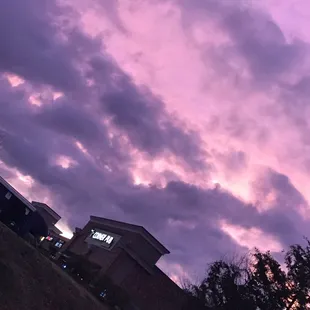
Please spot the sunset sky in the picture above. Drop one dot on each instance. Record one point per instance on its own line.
(189, 117)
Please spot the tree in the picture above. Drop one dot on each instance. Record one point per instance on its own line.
(225, 287)
(268, 283)
(257, 282)
(297, 261)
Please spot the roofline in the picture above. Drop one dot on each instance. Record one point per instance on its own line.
(55, 214)
(135, 228)
(55, 230)
(17, 194)
(143, 264)
(165, 275)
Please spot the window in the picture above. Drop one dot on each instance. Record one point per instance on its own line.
(59, 244)
(8, 195)
(49, 238)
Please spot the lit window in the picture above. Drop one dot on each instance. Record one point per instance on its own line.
(49, 238)
(59, 244)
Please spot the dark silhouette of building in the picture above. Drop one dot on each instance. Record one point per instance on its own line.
(54, 241)
(128, 254)
(18, 213)
(50, 216)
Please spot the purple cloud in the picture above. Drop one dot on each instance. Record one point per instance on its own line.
(106, 125)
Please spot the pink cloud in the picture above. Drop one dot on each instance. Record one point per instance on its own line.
(155, 103)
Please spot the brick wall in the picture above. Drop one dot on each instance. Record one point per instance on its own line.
(100, 256)
(145, 250)
(153, 291)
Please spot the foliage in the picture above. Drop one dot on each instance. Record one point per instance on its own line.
(257, 282)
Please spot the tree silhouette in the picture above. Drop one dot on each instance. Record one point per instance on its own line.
(257, 282)
(297, 261)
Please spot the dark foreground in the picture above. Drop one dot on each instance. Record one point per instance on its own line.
(29, 281)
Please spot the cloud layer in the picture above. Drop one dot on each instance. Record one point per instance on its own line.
(187, 117)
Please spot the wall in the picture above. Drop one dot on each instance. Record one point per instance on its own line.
(12, 209)
(153, 292)
(121, 268)
(145, 250)
(100, 256)
(49, 219)
(149, 290)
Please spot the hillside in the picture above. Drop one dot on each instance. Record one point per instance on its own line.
(29, 281)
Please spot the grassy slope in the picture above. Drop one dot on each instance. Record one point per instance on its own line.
(29, 281)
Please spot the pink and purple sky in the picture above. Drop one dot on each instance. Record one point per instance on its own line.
(189, 117)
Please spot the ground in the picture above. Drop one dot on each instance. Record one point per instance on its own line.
(29, 281)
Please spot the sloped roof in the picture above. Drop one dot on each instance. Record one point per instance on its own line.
(133, 228)
(47, 208)
(55, 230)
(11, 189)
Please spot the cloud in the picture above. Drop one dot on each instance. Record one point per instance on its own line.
(192, 108)
(261, 42)
(32, 48)
(143, 118)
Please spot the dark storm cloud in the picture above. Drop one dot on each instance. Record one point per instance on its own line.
(72, 120)
(285, 207)
(185, 217)
(31, 45)
(32, 147)
(285, 194)
(142, 116)
(188, 218)
(34, 49)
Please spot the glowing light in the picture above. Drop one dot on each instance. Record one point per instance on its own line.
(65, 162)
(137, 180)
(33, 99)
(14, 80)
(81, 146)
(57, 95)
(251, 237)
(27, 179)
(66, 230)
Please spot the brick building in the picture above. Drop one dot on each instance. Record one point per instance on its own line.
(50, 216)
(54, 241)
(128, 254)
(18, 213)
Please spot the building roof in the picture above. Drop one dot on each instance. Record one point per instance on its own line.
(55, 230)
(17, 194)
(47, 209)
(133, 228)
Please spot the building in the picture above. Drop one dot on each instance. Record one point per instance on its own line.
(54, 241)
(50, 216)
(125, 253)
(128, 254)
(18, 213)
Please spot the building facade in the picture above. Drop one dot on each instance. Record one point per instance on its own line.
(18, 213)
(50, 216)
(128, 254)
(54, 241)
